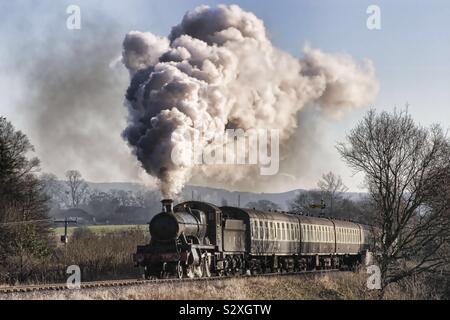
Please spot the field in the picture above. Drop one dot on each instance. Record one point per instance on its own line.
(102, 229)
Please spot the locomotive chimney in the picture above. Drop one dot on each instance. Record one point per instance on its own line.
(167, 205)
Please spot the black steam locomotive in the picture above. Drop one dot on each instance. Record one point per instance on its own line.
(198, 239)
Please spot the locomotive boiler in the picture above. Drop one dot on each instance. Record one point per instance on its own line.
(197, 239)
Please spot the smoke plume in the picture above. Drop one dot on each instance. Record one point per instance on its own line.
(218, 69)
(72, 103)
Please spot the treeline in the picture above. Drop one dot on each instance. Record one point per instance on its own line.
(28, 252)
(329, 199)
(24, 228)
(105, 207)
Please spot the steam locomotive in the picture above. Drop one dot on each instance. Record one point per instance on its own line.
(198, 239)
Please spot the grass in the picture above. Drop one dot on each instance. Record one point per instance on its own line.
(102, 229)
(342, 286)
(101, 255)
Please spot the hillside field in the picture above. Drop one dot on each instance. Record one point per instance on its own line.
(102, 229)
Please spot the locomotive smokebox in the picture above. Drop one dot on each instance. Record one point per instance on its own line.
(167, 205)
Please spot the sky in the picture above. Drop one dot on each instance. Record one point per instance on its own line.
(410, 55)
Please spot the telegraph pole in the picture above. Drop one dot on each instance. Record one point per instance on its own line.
(66, 222)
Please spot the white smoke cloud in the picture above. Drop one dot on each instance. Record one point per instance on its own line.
(218, 69)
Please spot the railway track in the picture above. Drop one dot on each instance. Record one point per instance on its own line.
(139, 282)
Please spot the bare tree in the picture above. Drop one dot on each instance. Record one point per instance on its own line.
(407, 171)
(24, 228)
(263, 205)
(304, 202)
(78, 188)
(54, 189)
(332, 186)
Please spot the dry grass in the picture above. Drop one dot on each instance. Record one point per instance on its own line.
(348, 286)
(100, 256)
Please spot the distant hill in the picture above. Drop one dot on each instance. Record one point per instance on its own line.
(220, 196)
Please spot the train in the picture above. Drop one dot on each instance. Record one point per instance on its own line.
(199, 239)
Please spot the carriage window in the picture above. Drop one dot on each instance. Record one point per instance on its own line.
(288, 232)
(261, 230)
(266, 231)
(272, 231)
(256, 230)
(277, 230)
(253, 229)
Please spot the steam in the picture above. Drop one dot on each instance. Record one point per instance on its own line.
(71, 103)
(218, 69)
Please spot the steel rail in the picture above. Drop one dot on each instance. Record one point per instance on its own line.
(140, 282)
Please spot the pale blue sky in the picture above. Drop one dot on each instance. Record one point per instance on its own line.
(411, 53)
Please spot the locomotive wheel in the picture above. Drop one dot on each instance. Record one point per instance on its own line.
(179, 271)
(206, 268)
(189, 272)
(198, 271)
